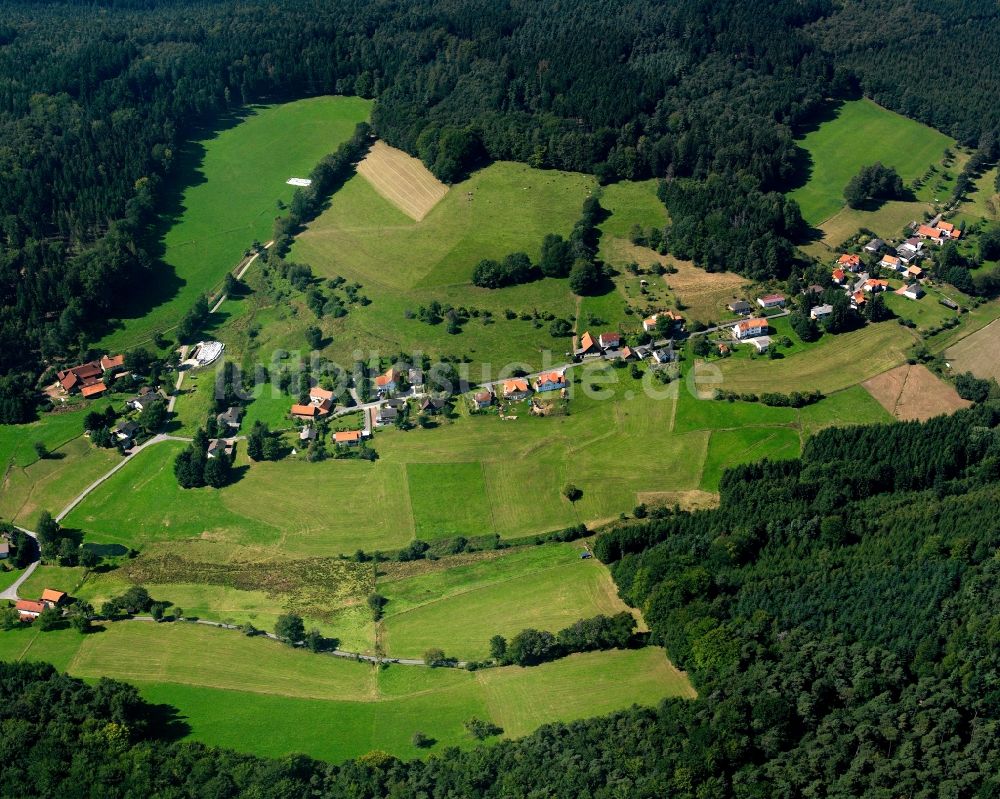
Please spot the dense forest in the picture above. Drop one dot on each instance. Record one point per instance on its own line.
(691, 89)
(838, 615)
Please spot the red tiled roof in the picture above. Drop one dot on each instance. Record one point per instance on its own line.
(750, 324)
(609, 339)
(515, 385)
(929, 232)
(346, 436)
(838, 274)
(51, 595)
(849, 259)
(30, 606)
(112, 362)
(93, 390)
(389, 377)
(551, 377)
(307, 411)
(586, 341)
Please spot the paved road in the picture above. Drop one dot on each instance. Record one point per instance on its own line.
(11, 591)
(337, 653)
(239, 276)
(180, 379)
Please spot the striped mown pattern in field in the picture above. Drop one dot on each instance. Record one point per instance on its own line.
(914, 393)
(402, 179)
(978, 353)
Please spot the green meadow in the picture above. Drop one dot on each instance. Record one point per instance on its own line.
(861, 133)
(455, 606)
(263, 697)
(227, 188)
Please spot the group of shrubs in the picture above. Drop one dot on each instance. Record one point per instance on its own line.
(795, 399)
(531, 647)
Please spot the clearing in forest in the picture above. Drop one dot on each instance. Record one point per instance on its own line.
(914, 393)
(861, 133)
(402, 179)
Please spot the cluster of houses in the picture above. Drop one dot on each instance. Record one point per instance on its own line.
(519, 388)
(31, 609)
(850, 265)
(88, 378)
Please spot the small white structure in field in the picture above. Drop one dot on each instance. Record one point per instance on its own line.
(205, 352)
(303, 182)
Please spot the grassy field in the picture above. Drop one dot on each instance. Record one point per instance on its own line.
(546, 587)
(977, 353)
(474, 475)
(263, 697)
(896, 141)
(833, 363)
(51, 483)
(228, 184)
(17, 441)
(403, 264)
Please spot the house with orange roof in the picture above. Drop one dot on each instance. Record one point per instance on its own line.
(915, 272)
(110, 362)
(874, 285)
(849, 261)
(52, 596)
(588, 347)
(305, 411)
(322, 399)
(516, 389)
(891, 262)
(347, 438)
(750, 328)
(550, 381)
(388, 382)
(838, 276)
(93, 390)
(858, 299)
(930, 233)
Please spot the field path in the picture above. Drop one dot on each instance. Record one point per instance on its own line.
(11, 591)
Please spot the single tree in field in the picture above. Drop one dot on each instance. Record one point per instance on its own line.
(498, 648)
(571, 492)
(41, 450)
(314, 337)
(435, 657)
(290, 628)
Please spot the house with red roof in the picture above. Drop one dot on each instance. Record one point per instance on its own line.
(29, 609)
(838, 276)
(771, 301)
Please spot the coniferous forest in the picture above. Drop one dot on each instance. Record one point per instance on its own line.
(838, 615)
